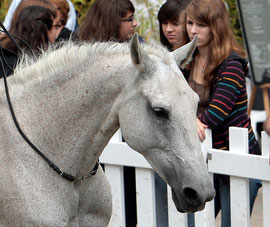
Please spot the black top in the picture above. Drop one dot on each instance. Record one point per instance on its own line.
(65, 35)
(9, 60)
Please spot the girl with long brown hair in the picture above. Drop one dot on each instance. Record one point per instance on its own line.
(34, 29)
(109, 20)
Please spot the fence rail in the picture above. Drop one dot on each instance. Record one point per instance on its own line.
(237, 163)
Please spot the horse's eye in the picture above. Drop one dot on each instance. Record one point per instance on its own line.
(161, 112)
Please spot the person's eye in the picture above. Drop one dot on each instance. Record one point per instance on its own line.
(130, 19)
(62, 22)
(56, 26)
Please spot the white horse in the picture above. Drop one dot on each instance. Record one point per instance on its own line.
(69, 103)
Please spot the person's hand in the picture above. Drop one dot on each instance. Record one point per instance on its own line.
(201, 130)
(266, 126)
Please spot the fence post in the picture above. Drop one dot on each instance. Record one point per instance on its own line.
(266, 184)
(240, 212)
(175, 218)
(115, 177)
(206, 217)
(145, 194)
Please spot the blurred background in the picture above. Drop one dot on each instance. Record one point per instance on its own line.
(146, 15)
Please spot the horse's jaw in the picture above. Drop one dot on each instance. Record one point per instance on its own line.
(189, 192)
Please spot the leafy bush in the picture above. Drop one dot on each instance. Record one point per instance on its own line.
(81, 7)
(235, 23)
(4, 4)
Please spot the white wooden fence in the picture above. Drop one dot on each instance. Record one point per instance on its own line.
(237, 163)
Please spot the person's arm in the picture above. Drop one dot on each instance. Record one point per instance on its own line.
(225, 94)
(266, 125)
(201, 130)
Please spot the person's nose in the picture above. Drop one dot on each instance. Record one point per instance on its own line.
(134, 23)
(194, 29)
(169, 28)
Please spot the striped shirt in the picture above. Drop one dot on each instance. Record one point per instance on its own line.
(228, 104)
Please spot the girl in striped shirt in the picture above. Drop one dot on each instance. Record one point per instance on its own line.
(218, 75)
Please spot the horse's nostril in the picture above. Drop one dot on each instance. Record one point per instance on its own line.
(191, 196)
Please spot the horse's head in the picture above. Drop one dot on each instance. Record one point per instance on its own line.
(158, 119)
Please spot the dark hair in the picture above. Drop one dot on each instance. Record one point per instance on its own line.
(63, 7)
(32, 26)
(170, 11)
(25, 3)
(103, 19)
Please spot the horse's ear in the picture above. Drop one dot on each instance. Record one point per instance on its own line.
(183, 55)
(139, 56)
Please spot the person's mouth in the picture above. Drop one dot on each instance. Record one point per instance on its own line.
(170, 36)
(192, 37)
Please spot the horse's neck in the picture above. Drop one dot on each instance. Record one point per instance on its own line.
(78, 115)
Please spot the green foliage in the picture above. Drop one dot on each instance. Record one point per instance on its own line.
(146, 15)
(4, 4)
(235, 23)
(81, 7)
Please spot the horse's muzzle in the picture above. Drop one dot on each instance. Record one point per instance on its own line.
(191, 201)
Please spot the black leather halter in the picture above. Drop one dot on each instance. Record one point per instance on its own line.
(50, 163)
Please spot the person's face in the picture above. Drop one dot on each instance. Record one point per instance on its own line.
(127, 26)
(55, 30)
(200, 29)
(173, 30)
(59, 18)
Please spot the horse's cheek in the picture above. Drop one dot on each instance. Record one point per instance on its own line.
(135, 129)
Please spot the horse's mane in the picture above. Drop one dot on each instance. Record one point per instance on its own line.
(56, 57)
